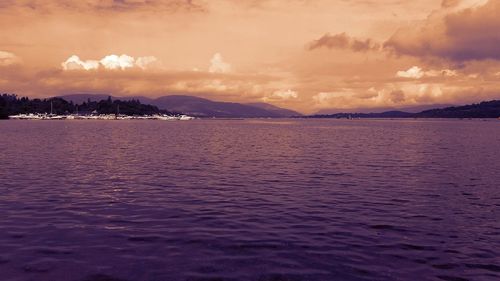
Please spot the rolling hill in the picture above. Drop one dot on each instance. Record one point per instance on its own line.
(200, 107)
(486, 109)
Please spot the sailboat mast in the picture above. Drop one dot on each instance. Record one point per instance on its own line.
(51, 108)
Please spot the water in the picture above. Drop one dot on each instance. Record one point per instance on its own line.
(250, 200)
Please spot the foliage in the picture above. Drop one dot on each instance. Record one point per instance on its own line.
(11, 104)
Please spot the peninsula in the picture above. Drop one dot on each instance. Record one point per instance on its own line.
(12, 107)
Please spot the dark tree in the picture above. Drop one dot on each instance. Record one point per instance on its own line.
(10, 105)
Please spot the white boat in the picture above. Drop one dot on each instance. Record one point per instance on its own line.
(185, 118)
(29, 116)
(165, 117)
(96, 116)
(56, 117)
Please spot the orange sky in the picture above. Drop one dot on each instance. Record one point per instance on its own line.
(307, 55)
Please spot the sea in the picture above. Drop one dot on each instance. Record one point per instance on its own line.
(255, 199)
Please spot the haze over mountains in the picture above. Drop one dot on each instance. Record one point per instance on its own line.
(199, 107)
(486, 109)
(409, 109)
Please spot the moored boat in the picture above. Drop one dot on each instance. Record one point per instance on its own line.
(185, 118)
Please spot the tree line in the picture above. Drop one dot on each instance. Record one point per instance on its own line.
(11, 104)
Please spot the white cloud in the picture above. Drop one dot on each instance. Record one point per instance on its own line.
(278, 95)
(115, 62)
(145, 62)
(413, 93)
(218, 65)
(109, 62)
(414, 72)
(7, 58)
(443, 72)
(285, 94)
(324, 98)
(74, 62)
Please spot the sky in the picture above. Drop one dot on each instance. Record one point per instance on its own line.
(306, 55)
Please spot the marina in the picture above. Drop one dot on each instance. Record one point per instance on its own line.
(38, 116)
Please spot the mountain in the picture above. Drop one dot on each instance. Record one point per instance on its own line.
(281, 111)
(487, 109)
(196, 106)
(386, 114)
(409, 109)
(201, 107)
(420, 108)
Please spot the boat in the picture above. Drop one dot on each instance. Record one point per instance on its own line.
(185, 118)
(165, 117)
(29, 116)
(96, 116)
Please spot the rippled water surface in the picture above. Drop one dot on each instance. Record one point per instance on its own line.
(250, 200)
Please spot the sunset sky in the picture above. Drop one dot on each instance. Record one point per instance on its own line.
(307, 55)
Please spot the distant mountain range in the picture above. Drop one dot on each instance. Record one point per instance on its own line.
(409, 109)
(487, 109)
(199, 107)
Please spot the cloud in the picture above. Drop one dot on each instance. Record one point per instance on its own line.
(450, 3)
(457, 35)
(109, 62)
(106, 5)
(7, 58)
(218, 65)
(74, 62)
(343, 41)
(117, 62)
(282, 95)
(404, 93)
(416, 72)
(441, 73)
(323, 99)
(145, 62)
(397, 96)
(288, 94)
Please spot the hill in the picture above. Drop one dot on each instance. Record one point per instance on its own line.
(487, 109)
(281, 111)
(409, 109)
(200, 107)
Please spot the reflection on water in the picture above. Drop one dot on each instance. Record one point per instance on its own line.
(250, 200)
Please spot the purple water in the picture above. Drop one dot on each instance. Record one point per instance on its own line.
(250, 200)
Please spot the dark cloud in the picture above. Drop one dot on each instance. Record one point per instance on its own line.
(343, 41)
(466, 35)
(105, 5)
(397, 96)
(449, 3)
